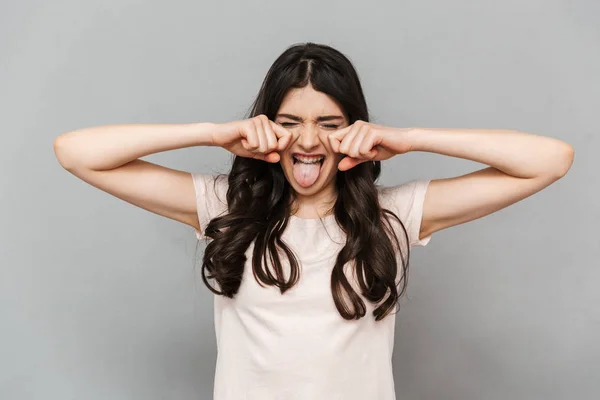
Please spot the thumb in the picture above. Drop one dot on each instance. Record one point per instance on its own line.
(271, 157)
(349, 162)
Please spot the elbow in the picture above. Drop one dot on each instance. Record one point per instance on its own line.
(63, 152)
(564, 160)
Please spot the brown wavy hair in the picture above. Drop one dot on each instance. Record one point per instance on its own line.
(259, 198)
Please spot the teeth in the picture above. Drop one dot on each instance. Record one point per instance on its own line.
(309, 160)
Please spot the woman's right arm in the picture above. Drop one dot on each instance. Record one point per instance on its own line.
(107, 157)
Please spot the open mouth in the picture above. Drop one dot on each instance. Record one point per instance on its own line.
(308, 160)
(307, 169)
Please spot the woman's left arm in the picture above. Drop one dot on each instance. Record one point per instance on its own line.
(520, 164)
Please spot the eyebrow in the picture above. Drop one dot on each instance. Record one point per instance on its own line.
(319, 119)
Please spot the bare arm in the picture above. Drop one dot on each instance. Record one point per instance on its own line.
(107, 157)
(520, 164)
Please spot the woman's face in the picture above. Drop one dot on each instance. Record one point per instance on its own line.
(313, 115)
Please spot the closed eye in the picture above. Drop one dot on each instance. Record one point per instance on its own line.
(329, 126)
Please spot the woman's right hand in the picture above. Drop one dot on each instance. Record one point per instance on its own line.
(256, 137)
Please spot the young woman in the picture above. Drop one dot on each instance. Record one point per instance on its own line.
(307, 255)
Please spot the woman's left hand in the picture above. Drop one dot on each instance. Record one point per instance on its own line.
(363, 141)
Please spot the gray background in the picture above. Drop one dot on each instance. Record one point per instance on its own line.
(102, 300)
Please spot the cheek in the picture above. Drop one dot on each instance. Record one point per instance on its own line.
(337, 158)
(332, 168)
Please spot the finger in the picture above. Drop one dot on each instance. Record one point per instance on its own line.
(270, 136)
(340, 133)
(279, 130)
(285, 137)
(284, 142)
(272, 157)
(349, 162)
(260, 133)
(362, 144)
(335, 138)
(354, 146)
(347, 140)
(334, 143)
(250, 140)
(258, 156)
(367, 147)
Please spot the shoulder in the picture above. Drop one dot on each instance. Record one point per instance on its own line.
(406, 201)
(404, 196)
(210, 184)
(211, 193)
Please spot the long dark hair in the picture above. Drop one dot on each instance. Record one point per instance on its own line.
(258, 199)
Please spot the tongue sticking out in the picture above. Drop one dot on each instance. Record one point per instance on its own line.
(306, 174)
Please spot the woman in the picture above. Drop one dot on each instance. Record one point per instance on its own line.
(306, 253)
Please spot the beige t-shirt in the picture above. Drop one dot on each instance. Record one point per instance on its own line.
(297, 346)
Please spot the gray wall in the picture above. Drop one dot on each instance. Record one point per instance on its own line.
(102, 300)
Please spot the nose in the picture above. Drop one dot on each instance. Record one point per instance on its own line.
(309, 138)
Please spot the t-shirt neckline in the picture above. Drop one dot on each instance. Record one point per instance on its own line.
(326, 220)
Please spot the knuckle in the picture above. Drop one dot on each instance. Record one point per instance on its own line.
(252, 141)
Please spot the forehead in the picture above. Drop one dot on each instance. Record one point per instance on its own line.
(307, 102)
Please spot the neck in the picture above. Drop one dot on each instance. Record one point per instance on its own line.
(317, 205)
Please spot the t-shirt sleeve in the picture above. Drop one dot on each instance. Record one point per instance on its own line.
(406, 200)
(211, 201)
